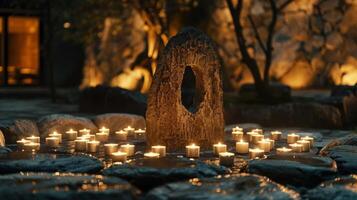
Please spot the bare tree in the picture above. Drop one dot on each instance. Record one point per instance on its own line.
(261, 83)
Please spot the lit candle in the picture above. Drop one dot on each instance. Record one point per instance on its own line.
(32, 146)
(283, 151)
(121, 135)
(119, 156)
(151, 155)
(275, 135)
(193, 151)
(34, 139)
(92, 146)
(110, 148)
(71, 134)
(256, 138)
(102, 136)
(219, 148)
(296, 147)
(272, 143)
(52, 142)
(292, 138)
(305, 145)
(55, 134)
(258, 130)
(242, 147)
(310, 139)
(256, 153)
(81, 144)
(128, 148)
(226, 158)
(264, 144)
(84, 131)
(129, 130)
(104, 130)
(237, 129)
(140, 133)
(159, 149)
(88, 136)
(237, 135)
(20, 143)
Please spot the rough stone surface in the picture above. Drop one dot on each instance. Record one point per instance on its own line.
(4, 150)
(146, 173)
(62, 123)
(168, 121)
(118, 121)
(242, 186)
(345, 157)
(18, 129)
(102, 99)
(64, 186)
(74, 164)
(305, 172)
(2, 139)
(342, 188)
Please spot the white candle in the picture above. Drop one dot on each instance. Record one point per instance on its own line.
(292, 138)
(151, 155)
(237, 135)
(89, 136)
(219, 148)
(305, 145)
(110, 148)
(20, 143)
(102, 136)
(258, 130)
(283, 151)
(275, 135)
(119, 156)
(129, 130)
(159, 149)
(256, 138)
(272, 143)
(32, 146)
(34, 139)
(55, 134)
(52, 142)
(296, 147)
(256, 153)
(92, 146)
(237, 128)
(128, 148)
(140, 133)
(310, 139)
(249, 134)
(192, 151)
(71, 134)
(226, 158)
(121, 135)
(104, 130)
(84, 131)
(264, 144)
(242, 147)
(81, 144)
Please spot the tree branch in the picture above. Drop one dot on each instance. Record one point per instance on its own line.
(286, 3)
(256, 33)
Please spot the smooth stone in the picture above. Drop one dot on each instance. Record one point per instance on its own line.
(242, 186)
(342, 188)
(148, 173)
(4, 150)
(43, 163)
(18, 129)
(298, 171)
(350, 139)
(345, 157)
(118, 121)
(62, 123)
(64, 186)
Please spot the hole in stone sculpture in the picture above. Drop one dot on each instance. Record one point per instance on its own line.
(190, 95)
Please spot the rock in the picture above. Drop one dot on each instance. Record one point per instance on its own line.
(4, 150)
(343, 90)
(2, 139)
(18, 129)
(350, 139)
(102, 99)
(167, 118)
(146, 173)
(340, 188)
(242, 186)
(44, 186)
(42, 163)
(118, 121)
(312, 115)
(278, 91)
(345, 157)
(62, 123)
(295, 171)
